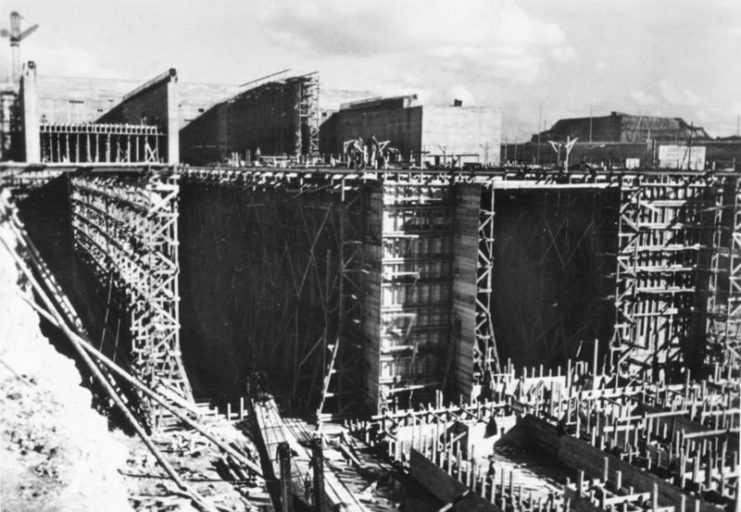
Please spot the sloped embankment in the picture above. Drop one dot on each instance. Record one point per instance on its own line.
(56, 452)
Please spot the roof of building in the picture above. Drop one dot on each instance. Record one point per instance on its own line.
(623, 127)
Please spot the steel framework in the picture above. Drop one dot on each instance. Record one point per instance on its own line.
(126, 229)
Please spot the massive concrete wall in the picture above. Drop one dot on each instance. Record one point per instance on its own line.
(371, 295)
(401, 126)
(465, 252)
(268, 117)
(206, 139)
(78, 100)
(553, 272)
(258, 285)
(197, 98)
(74, 100)
(153, 103)
(474, 133)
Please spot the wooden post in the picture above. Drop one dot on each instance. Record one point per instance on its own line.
(595, 360)
(317, 459)
(654, 497)
(605, 470)
(286, 496)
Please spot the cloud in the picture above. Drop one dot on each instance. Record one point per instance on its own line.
(673, 95)
(438, 42)
(642, 98)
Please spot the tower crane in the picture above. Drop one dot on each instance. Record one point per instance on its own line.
(16, 35)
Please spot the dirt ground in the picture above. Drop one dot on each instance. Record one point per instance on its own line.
(56, 453)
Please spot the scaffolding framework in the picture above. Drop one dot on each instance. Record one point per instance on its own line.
(416, 239)
(663, 234)
(126, 229)
(724, 297)
(308, 109)
(678, 244)
(343, 359)
(485, 357)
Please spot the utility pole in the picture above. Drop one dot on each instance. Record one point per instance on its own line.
(540, 116)
(590, 123)
(738, 125)
(568, 146)
(689, 150)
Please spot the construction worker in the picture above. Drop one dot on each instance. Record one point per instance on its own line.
(356, 154)
(373, 152)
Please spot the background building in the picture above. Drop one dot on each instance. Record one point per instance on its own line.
(436, 134)
(621, 127)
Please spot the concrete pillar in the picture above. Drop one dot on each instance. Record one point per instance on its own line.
(30, 114)
(173, 120)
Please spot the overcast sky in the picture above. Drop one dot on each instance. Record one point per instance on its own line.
(673, 58)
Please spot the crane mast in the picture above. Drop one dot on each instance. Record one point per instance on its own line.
(16, 35)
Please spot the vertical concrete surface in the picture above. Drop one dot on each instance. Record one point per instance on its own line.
(173, 121)
(29, 106)
(465, 251)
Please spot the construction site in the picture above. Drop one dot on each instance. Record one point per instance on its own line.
(277, 306)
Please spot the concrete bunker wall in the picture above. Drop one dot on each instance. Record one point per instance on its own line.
(154, 103)
(274, 117)
(257, 285)
(554, 270)
(401, 126)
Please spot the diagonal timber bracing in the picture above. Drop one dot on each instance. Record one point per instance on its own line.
(290, 259)
(126, 229)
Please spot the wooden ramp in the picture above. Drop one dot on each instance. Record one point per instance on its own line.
(274, 431)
